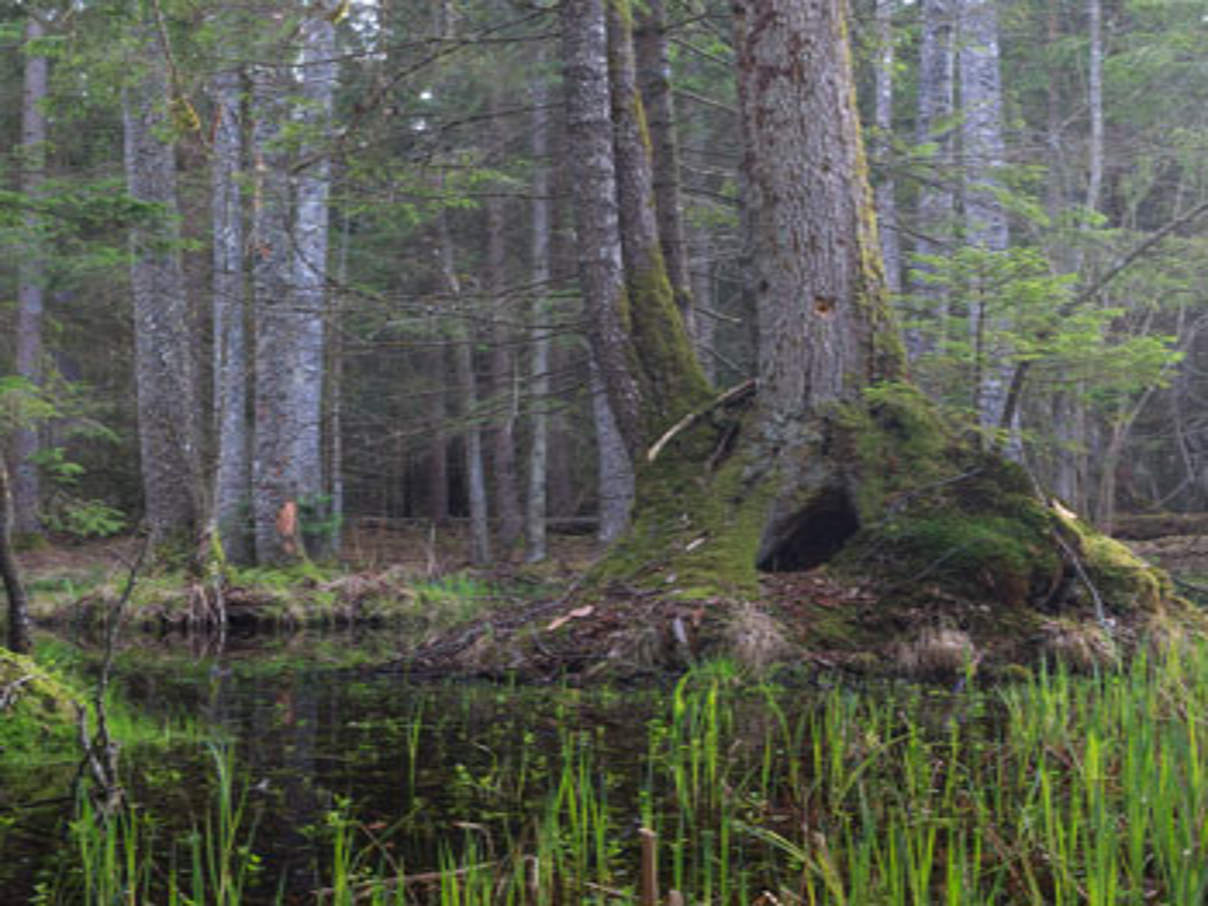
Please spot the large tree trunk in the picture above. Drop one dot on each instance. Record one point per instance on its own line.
(277, 482)
(310, 242)
(18, 607)
(31, 279)
(824, 324)
(233, 470)
(165, 357)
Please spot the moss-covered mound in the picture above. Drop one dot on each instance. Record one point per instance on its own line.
(874, 536)
(38, 711)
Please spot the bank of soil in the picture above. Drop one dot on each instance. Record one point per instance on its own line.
(550, 622)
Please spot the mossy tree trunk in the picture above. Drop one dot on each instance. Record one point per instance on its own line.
(636, 331)
(18, 609)
(825, 329)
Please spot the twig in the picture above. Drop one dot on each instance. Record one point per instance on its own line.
(8, 695)
(734, 393)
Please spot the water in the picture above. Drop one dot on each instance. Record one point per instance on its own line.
(423, 763)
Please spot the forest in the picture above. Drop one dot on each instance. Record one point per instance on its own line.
(380, 200)
(543, 451)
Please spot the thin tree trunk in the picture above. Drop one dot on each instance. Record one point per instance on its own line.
(31, 279)
(703, 301)
(1095, 102)
(438, 442)
(654, 80)
(886, 190)
(232, 473)
(536, 507)
(463, 354)
(936, 205)
(18, 606)
(503, 379)
(165, 357)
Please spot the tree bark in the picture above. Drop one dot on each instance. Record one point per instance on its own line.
(654, 80)
(165, 355)
(594, 194)
(232, 472)
(886, 189)
(936, 205)
(536, 500)
(982, 153)
(615, 476)
(669, 377)
(824, 325)
(467, 386)
(503, 380)
(310, 252)
(18, 606)
(31, 275)
(277, 480)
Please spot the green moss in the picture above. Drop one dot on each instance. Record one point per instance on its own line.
(40, 715)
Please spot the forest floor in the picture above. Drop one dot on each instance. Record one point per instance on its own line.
(533, 621)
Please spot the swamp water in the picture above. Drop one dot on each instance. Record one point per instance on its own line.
(301, 782)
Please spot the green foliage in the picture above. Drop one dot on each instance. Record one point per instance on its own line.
(65, 511)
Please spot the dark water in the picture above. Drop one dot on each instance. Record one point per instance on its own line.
(422, 764)
(424, 769)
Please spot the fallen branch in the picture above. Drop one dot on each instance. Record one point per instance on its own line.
(735, 393)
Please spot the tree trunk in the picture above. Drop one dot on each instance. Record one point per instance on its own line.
(165, 357)
(1095, 102)
(824, 327)
(670, 379)
(438, 439)
(310, 243)
(936, 105)
(232, 472)
(615, 477)
(985, 220)
(31, 276)
(467, 387)
(886, 190)
(18, 607)
(594, 195)
(277, 479)
(503, 380)
(536, 506)
(654, 80)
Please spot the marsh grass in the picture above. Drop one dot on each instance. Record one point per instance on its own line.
(1062, 788)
